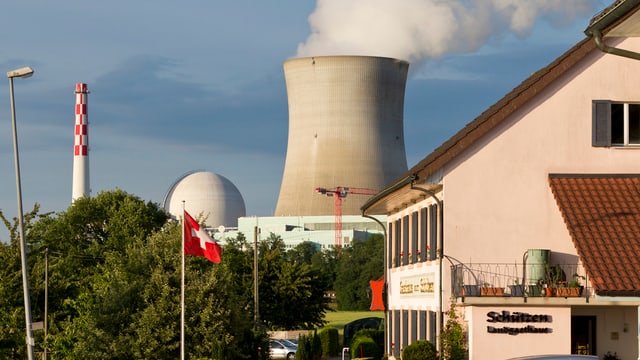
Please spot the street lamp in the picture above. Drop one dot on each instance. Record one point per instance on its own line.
(24, 72)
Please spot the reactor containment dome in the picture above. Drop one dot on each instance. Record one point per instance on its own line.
(206, 194)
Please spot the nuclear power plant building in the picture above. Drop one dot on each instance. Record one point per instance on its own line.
(345, 130)
(346, 137)
(207, 196)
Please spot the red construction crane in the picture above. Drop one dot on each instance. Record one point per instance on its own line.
(338, 193)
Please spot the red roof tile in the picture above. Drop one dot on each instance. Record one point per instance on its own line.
(602, 213)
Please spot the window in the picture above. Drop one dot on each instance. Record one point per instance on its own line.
(615, 124)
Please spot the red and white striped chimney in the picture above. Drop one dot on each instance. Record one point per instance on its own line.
(81, 146)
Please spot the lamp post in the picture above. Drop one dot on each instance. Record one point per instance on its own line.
(21, 73)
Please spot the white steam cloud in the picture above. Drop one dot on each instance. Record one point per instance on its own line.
(417, 29)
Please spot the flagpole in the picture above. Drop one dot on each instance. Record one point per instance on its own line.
(256, 310)
(182, 290)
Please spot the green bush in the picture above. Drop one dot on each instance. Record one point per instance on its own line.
(304, 347)
(309, 347)
(420, 350)
(364, 346)
(454, 342)
(330, 340)
(316, 346)
(375, 334)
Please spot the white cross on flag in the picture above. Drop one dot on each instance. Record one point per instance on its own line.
(198, 242)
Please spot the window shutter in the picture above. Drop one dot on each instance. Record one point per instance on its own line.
(405, 327)
(415, 250)
(398, 243)
(601, 125)
(405, 240)
(414, 325)
(433, 233)
(432, 326)
(424, 245)
(396, 333)
(422, 326)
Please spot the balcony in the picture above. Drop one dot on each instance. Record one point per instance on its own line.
(517, 280)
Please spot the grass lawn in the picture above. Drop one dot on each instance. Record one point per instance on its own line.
(338, 319)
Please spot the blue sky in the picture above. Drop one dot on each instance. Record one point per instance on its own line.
(180, 86)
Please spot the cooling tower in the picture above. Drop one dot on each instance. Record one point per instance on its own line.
(345, 130)
(80, 186)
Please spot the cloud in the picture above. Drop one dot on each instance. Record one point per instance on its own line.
(417, 29)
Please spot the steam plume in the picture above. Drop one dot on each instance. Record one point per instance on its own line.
(417, 29)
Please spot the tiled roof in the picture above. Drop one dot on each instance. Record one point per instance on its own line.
(602, 213)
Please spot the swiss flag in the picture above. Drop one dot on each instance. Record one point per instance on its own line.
(198, 242)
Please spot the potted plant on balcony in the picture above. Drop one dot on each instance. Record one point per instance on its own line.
(535, 289)
(489, 290)
(553, 277)
(517, 289)
(468, 290)
(572, 288)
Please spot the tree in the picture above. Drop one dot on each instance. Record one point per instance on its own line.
(133, 308)
(291, 294)
(77, 242)
(114, 266)
(323, 263)
(125, 304)
(12, 325)
(12, 315)
(357, 265)
(303, 252)
(238, 258)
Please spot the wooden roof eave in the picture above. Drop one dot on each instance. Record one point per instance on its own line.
(400, 195)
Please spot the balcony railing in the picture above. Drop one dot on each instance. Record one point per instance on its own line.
(518, 280)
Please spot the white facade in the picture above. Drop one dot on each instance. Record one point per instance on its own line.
(294, 230)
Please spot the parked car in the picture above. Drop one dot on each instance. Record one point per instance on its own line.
(281, 349)
(557, 357)
(293, 342)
